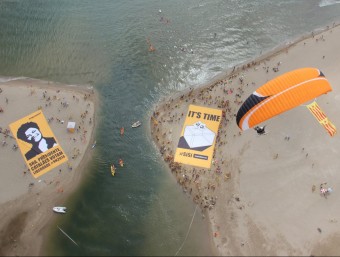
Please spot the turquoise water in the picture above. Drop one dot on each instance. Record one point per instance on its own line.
(142, 211)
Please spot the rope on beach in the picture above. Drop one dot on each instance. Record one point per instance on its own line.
(68, 236)
(193, 216)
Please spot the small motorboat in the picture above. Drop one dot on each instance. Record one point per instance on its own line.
(94, 144)
(59, 209)
(136, 124)
(113, 169)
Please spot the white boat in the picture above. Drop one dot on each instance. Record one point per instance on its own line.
(94, 144)
(136, 124)
(59, 209)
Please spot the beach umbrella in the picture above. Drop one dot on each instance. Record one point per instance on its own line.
(281, 94)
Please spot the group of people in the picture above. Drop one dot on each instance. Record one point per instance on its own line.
(325, 191)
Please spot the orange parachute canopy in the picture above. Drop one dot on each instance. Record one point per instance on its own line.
(282, 94)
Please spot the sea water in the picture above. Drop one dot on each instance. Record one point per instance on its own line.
(142, 210)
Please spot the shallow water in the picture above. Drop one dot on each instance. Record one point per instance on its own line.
(141, 211)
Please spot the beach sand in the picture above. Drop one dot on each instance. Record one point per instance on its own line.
(26, 210)
(266, 198)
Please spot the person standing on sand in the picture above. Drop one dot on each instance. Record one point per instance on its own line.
(30, 133)
(325, 191)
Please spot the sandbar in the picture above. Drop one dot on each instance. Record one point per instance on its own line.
(26, 202)
(261, 195)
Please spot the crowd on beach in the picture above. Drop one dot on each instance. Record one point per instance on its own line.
(22, 193)
(218, 95)
(226, 94)
(218, 191)
(54, 98)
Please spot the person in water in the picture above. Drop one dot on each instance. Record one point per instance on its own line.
(30, 133)
(121, 162)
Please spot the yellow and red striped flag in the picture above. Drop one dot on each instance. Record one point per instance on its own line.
(315, 109)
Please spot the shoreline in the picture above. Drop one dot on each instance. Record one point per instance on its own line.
(231, 208)
(28, 212)
(276, 50)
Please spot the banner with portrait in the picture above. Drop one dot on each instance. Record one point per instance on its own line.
(198, 137)
(37, 143)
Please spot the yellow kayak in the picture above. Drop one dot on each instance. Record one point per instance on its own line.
(154, 120)
(113, 169)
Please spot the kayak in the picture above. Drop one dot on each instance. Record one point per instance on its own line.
(113, 169)
(136, 124)
(122, 130)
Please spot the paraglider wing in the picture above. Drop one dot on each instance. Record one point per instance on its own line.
(281, 94)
